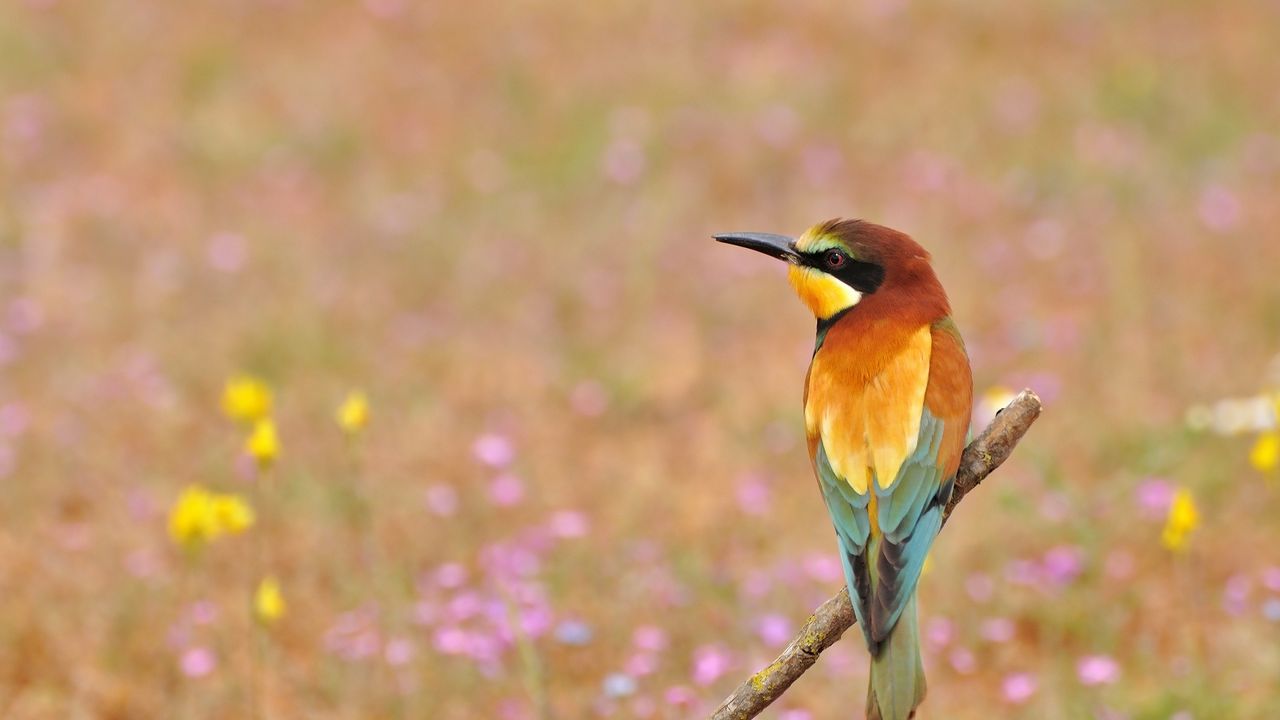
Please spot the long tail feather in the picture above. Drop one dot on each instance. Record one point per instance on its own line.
(897, 676)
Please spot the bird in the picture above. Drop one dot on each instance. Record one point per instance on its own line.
(888, 399)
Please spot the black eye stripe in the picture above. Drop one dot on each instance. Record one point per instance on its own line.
(865, 277)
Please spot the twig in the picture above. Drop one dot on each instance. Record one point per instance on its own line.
(829, 621)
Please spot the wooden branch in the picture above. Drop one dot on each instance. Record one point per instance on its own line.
(829, 621)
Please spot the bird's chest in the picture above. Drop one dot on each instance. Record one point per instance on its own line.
(863, 401)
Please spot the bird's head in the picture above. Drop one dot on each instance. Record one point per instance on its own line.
(838, 264)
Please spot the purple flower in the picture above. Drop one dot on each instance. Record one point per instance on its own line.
(709, 663)
(509, 708)
(398, 652)
(1063, 564)
(773, 629)
(493, 450)
(8, 349)
(484, 648)
(1154, 496)
(1097, 670)
(226, 252)
(623, 161)
(14, 419)
(451, 640)
(25, 316)
(425, 612)
(246, 467)
(573, 632)
(795, 715)
(1271, 578)
(465, 605)
(619, 685)
(939, 631)
(823, 567)
(650, 637)
(641, 663)
(1219, 208)
(569, 524)
(1045, 384)
(506, 490)
(142, 505)
(507, 562)
(1271, 610)
(998, 630)
(589, 398)
(535, 621)
(354, 635)
(962, 660)
(980, 587)
(142, 563)
(1019, 687)
(364, 645)
(753, 495)
(203, 612)
(757, 583)
(1236, 594)
(179, 633)
(541, 538)
(1023, 572)
(442, 500)
(498, 614)
(679, 695)
(198, 662)
(450, 575)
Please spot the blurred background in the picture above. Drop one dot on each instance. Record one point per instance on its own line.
(372, 359)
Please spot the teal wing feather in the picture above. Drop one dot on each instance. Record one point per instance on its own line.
(909, 515)
(852, 522)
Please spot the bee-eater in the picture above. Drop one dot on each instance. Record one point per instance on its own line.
(887, 403)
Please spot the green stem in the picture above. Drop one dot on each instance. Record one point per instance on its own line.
(257, 551)
(530, 664)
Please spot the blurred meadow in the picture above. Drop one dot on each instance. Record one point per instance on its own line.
(572, 482)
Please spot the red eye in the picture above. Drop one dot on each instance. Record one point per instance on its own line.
(834, 259)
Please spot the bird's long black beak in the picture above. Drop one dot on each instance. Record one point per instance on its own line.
(778, 246)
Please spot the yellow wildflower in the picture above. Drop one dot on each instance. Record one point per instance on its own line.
(353, 413)
(998, 396)
(246, 399)
(192, 520)
(263, 443)
(233, 514)
(1265, 455)
(200, 516)
(1181, 521)
(268, 601)
(992, 401)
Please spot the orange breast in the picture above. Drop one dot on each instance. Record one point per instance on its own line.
(864, 395)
